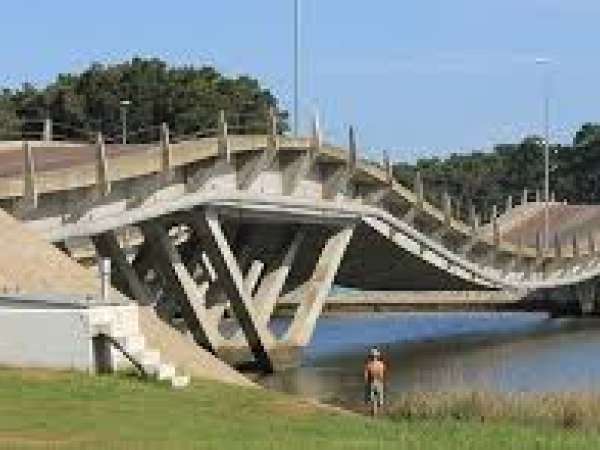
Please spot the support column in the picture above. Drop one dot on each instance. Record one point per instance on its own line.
(272, 283)
(182, 287)
(208, 227)
(317, 288)
(30, 193)
(107, 246)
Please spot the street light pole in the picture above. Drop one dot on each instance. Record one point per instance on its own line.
(124, 105)
(546, 62)
(296, 65)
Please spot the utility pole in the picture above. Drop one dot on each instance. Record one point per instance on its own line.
(546, 82)
(296, 66)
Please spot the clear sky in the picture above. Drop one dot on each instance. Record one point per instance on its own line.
(418, 77)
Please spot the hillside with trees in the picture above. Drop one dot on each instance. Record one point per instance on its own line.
(187, 98)
(485, 179)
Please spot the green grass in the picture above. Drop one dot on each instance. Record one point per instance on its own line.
(74, 411)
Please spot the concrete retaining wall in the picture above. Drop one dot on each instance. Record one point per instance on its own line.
(60, 337)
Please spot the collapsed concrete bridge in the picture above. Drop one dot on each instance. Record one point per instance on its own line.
(238, 221)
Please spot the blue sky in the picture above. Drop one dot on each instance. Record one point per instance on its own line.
(420, 78)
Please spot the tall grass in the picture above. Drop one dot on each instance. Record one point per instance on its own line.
(565, 410)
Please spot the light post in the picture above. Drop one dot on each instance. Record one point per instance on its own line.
(124, 104)
(296, 65)
(545, 63)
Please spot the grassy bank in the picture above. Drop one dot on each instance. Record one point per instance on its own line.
(570, 411)
(73, 411)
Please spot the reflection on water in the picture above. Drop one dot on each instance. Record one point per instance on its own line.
(507, 351)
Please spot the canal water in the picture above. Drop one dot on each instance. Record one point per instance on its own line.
(445, 351)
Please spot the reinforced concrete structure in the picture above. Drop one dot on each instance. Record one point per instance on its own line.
(225, 225)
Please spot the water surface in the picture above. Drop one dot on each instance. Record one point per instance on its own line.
(442, 351)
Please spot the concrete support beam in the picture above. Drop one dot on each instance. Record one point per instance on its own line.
(181, 286)
(296, 171)
(252, 276)
(208, 227)
(125, 276)
(317, 288)
(102, 175)
(30, 192)
(250, 168)
(273, 282)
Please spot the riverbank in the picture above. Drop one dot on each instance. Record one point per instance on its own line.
(41, 409)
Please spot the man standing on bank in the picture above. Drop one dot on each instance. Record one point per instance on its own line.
(374, 375)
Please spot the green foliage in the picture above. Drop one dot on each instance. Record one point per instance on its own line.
(486, 179)
(187, 98)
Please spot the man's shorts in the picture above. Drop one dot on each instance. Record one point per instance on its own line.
(374, 392)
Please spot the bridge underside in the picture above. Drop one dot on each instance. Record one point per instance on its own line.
(217, 240)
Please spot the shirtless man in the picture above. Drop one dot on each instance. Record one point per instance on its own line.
(374, 374)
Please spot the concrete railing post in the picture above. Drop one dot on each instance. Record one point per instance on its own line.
(495, 225)
(557, 246)
(524, 199)
(353, 151)
(165, 147)
(538, 197)
(30, 194)
(509, 203)
(474, 218)
(591, 244)
(104, 268)
(419, 191)
(224, 147)
(447, 201)
(102, 176)
(272, 132)
(47, 134)
(538, 244)
(317, 138)
(389, 169)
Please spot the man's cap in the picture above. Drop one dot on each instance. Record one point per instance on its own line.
(374, 352)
